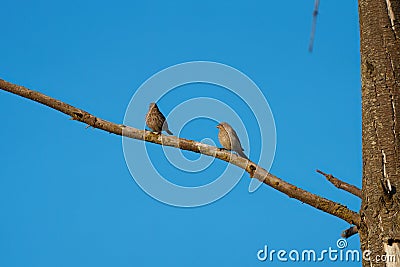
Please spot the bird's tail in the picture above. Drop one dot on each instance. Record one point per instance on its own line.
(242, 154)
(169, 132)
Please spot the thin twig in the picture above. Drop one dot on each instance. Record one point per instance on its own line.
(349, 232)
(254, 170)
(314, 26)
(342, 185)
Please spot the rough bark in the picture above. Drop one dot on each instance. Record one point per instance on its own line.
(380, 69)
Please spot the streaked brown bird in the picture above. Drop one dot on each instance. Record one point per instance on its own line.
(229, 139)
(155, 120)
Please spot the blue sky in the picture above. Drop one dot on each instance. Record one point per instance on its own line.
(67, 197)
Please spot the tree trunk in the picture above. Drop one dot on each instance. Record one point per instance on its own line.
(380, 69)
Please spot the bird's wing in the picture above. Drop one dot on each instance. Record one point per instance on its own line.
(235, 136)
(160, 114)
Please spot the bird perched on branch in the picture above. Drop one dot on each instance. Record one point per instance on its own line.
(229, 139)
(155, 120)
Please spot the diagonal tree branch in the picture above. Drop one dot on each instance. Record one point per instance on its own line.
(342, 185)
(254, 170)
